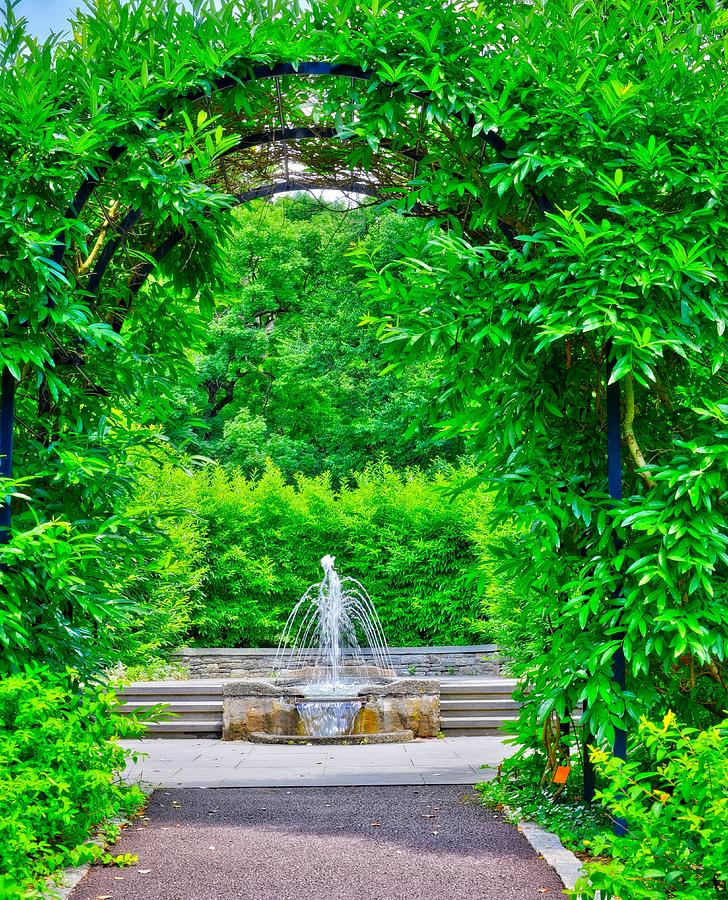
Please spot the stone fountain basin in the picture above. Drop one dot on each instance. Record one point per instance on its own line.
(384, 737)
(408, 707)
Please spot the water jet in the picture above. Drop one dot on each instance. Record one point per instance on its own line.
(333, 679)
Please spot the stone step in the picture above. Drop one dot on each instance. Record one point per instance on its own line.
(481, 706)
(455, 726)
(211, 728)
(187, 709)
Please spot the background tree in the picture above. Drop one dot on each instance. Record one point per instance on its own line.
(286, 371)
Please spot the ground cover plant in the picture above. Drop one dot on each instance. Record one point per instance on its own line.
(672, 794)
(58, 760)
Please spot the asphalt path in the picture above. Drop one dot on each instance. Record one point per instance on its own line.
(324, 843)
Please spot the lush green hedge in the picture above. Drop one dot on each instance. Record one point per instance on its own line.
(58, 756)
(413, 544)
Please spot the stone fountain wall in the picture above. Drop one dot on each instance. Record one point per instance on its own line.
(404, 705)
(416, 662)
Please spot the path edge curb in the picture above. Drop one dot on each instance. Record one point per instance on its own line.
(548, 845)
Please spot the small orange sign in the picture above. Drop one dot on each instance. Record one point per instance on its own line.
(561, 774)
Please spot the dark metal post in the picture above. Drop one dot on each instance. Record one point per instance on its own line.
(7, 416)
(614, 468)
(588, 766)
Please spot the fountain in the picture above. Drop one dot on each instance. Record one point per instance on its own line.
(326, 686)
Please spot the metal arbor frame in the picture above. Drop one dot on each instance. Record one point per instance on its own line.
(291, 175)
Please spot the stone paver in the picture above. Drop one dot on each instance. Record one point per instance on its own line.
(213, 763)
(323, 843)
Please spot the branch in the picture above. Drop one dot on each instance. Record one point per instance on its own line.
(634, 448)
(109, 215)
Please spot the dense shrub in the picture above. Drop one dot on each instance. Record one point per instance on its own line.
(674, 798)
(411, 542)
(58, 759)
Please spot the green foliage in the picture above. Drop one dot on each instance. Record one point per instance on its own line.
(96, 564)
(401, 534)
(60, 572)
(285, 372)
(59, 759)
(120, 859)
(613, 110)
(675, 803)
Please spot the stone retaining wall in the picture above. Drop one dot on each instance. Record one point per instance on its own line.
(218, 662)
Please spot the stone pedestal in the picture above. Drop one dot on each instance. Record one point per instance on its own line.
(253, 705)
(407, 704)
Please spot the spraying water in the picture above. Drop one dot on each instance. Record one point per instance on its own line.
(320, 641)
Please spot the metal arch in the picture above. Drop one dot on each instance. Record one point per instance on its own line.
(275, 71)
(268, 190)
(227, 82)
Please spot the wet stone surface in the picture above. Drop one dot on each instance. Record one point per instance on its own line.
(356, 843)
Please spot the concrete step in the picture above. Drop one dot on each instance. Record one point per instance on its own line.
(209, 728)
(183, 689)
(185, 709)
(455, 726)
(475, 687)
(483, 706)
(469, 706)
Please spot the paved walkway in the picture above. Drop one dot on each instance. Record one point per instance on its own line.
(323, 843)
(211, 763)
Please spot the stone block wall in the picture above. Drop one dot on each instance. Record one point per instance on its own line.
(424, 662)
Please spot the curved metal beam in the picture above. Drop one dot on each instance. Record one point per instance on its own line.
(269, 190)
(284, 187)
(258, 73)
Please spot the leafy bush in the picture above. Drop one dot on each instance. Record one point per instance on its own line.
(58, 759)
(71, 572)
(676, 811)
(411, 543)
(163, 592)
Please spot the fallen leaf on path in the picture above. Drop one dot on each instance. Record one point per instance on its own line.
(103, 897)
(544, 890)
(376, 824)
